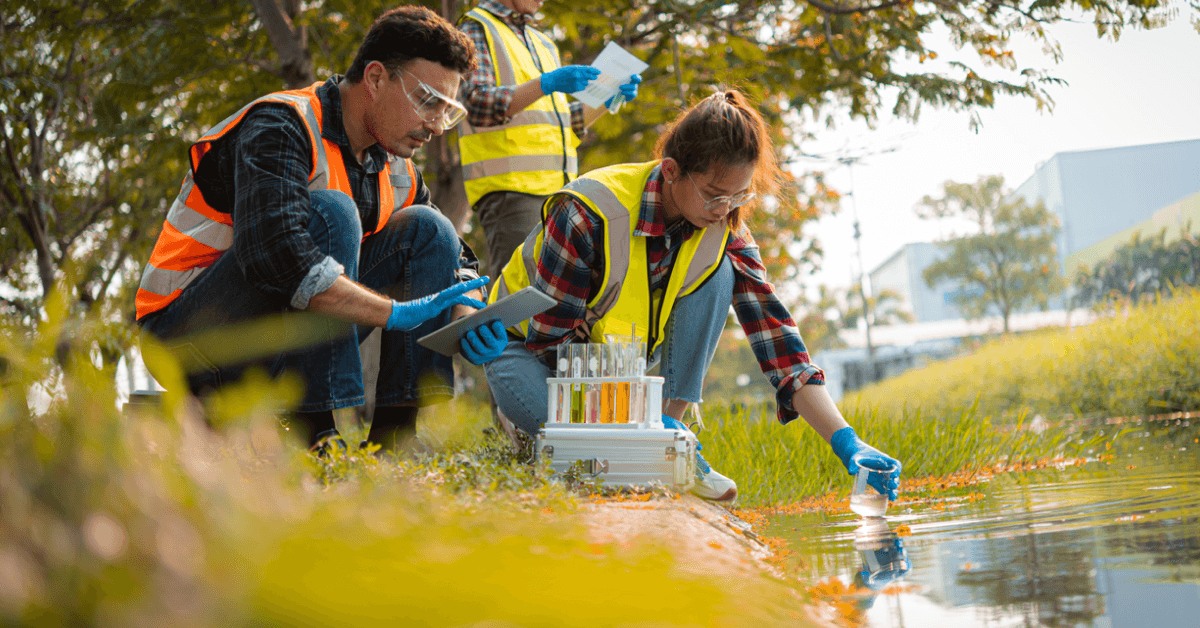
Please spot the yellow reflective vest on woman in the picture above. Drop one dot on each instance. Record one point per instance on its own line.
(195, 235)
(534, 152)
(624, 299)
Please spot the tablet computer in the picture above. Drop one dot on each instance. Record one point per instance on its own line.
(510, 310)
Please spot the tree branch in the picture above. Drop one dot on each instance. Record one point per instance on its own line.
(20, 305)
(834, 9)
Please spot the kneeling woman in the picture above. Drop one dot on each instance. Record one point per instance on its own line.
(662, 246)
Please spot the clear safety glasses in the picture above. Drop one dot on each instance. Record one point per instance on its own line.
(433, 106)
(734, 202)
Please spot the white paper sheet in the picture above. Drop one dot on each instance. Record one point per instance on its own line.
(616, 65)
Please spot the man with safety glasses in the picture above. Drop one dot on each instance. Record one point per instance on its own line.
(329, 233)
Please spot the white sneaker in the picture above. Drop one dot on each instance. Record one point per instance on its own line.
(713, 485)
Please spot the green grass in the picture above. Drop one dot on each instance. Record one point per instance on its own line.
(1139, 360)
(153, 518)
(156, 519)
(971, 412)
(777, 464)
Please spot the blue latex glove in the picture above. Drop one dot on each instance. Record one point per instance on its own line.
(628, 92)
(672, 424)
(854, 453)
(408, 315)
(568, 79)
(484, 343)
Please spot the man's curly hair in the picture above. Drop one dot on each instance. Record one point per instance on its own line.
(413, 32)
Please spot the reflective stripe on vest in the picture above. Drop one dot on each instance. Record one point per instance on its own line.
(624, 300)
(534, 152)
(195, 235)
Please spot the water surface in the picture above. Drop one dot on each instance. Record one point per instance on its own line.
(1112, 543)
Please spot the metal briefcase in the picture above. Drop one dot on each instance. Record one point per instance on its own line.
(621, 456)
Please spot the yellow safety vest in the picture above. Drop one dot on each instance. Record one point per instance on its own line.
(624, 299)
(534, 152)
(195, 234)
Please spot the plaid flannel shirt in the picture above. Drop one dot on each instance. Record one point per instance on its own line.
(258, 172)
(570, 269)
(486, 102)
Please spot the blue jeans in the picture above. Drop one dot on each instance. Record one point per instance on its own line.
(518, 379)
(221, 325)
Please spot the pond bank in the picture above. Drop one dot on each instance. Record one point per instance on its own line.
(705, 536)
(706, 539)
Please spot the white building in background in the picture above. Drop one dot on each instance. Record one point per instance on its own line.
(1176, 218)
(901, 273)
(1101, 198)
(1099, 193)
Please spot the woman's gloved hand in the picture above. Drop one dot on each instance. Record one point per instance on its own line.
(408, 315)
(568, 79)
(484, 343)
(628, 92)
(672, 423)
(857, 455)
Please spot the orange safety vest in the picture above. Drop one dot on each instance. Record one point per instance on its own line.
(194, 234)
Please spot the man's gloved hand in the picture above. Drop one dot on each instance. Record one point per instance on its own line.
(629, 91)
(484, 343)
(885, 470)
(568, 79)
(409, 315)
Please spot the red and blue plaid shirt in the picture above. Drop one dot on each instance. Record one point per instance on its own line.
(571, 265)
(486, 102)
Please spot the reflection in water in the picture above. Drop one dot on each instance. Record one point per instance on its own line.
(1046, 579)
(884, 559)
(1107, 545)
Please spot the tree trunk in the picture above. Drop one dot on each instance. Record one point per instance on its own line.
(443, 172)
(290, 42)
(34, 222)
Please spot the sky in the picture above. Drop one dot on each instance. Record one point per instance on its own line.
(1142, 89)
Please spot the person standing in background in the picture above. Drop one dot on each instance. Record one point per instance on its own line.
(519, 137)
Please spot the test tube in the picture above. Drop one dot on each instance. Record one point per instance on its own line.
(578, 353)
(614, 105)
(608, 390)
(563, 362)
(623, 352)
(592, 401)
(562, 391)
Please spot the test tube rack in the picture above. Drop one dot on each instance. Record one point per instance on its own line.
(597, 402)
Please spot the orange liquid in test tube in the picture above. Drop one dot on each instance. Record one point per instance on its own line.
(607, 395)
(622, 403)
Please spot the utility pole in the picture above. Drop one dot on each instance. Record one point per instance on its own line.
(862, 271)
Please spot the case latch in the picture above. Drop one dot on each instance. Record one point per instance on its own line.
(548, 451)
(595, 466)
(671, 453)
